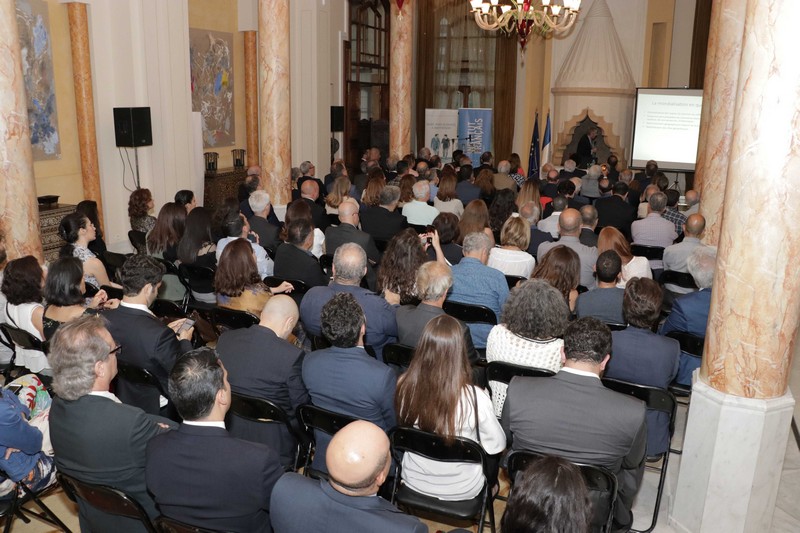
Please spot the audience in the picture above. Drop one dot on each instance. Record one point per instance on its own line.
(140, 205)
(605, 301)
(186, 199)
(446, 200)
(347, 231)
(417, 211)
(300, 209)
(589, 182)
(162, 242)
(560, 267)
(339, 194)
(511, 257)
(236, 227)
(632, 266)
(197, 248)
(503, 206)
(446, 226)
(677, 255)
(268, 232)
(588, 237)
(88, 208)
(484, 180)
(309, 194)
(384, 221)
(78, 231)
(550, 224)
(295, 260)
(654, 230)
(474, 219)
(615, 210)
(671, 213)
(403, 256)
(22, 288)
(466, 190)
(530, 212)
(569, 227)
(692, 199)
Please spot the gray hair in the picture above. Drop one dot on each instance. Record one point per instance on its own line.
(588, 215)
(434, 279)
(421, 190)
(391, 162)
(349, 260)
(424, 152)
(569, 165)
(626, 176)
(389, 195)
(305, 166)
(296, 174)
(658, 202)
(594, 171)
(477, 242)
(504, 167)
(701, 263)
(74, 350)
(531, 211)
(259, 200)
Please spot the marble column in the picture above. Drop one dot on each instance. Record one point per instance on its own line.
(19, 212)
(275, 108)
(84, 102)
(400, 78)
(741, 409)
(719, 99)
(251, 96)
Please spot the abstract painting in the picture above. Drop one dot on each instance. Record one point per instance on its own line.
(37, 70)
(211, 56)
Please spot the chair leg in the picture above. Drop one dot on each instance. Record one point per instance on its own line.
(661, 480)
(47, 515)
(491, 515)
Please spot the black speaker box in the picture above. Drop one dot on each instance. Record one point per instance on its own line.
(337, 118)
(132, 126)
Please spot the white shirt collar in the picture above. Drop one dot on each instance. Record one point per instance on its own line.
(140, 307)
(579, 372)
(218, 424)
(105, 394)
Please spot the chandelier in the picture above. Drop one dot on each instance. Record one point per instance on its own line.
(523, 16)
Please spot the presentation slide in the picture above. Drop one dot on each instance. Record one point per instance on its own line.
(666, 127)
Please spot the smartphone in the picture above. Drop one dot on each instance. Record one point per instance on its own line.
(14, 387)
(430, 229)
(188, 323)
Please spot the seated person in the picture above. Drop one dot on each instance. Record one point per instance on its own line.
(605, 301)
(263, 364)
(235, 226)
(440, 375)
(22, 289)
(417, 211)
(197, 248)
(529, 334)
(577, 418)
(511, 257)
(344, 378)
(96, 438)
(358, 462)
(643, 357)
(200, 475)
(294, 260)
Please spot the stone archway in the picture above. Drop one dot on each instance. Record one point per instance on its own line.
(576, 126)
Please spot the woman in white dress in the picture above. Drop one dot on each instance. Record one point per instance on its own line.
(534, 316)
(23, 280)
(511, 257)
(611, 238)
(440, 375)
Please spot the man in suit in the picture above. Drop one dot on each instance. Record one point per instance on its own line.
(466, 190)
(96, 438)
(502, 180)
(259, 222)
(294, 259)
(309, 192)
(570, 170)
(579, 419)
(677, 255)
(690, 311)
(347, 231)
(587, 151)
(615, 210)
(588, 224)
(309, 171)
(605, 301)
(200, 475)
(530, 212)
(643, 357)
(349, 267)
(358, 461)
(550, 223)
(261, 363)
(645, 178)
(384, 221)
(569, 226)
(654, 230)
(344, 378)
(487, 163)
(146, 342)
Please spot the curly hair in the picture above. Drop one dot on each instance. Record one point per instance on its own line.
(237, 269)
(22, 281)
(403, 256)
(342, 318)
(138, 204)
(536, 310)
(561, 268)
(641, 303)
(503, 205)
(485, 180)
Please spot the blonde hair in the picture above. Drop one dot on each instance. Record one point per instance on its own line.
(516, 232)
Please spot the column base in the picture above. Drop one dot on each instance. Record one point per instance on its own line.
(732, 461)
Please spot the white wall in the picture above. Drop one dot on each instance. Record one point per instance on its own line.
(682, 32)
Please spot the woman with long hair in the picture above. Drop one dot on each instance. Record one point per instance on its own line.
(440, 376)
(474, 219)
(611, 238)
(406, 189)
(511, 257)
(78, 231)
(549, 496)
(197, 247)
(22, 287)
(237, 282)
(517, 173)
(295, 211)
(501, 209)
(446, 226)
(529, 192)
(163, 239)
(340, 193)
(88, 208)
(534, 318)
(372, 192)
(140, 205)
(64, 292)
(485, 182)
(186, 199)
(446, 200)
(561, 268)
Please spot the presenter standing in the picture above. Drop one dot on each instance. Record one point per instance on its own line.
(587, 151)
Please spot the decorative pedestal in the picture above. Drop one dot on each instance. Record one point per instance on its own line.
(732, 461)
(49, 219)
(221, 185)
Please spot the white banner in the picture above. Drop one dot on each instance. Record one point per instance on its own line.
(441, 132)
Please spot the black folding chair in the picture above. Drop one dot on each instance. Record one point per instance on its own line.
(501, 372)
(398, 354)
(617, 327)
(167, 309)
(105, 499)
(470, 313)
(681, 279)
(113, 262)
(434, 447)
(652, 253)
(113, 292)
(326, 262)
(169, 525)
(267, 412)
(197, 279)
(173, 270)
(23, 495)
(23, 339)
(139, 376)
(692, 345)
(138, 241)
(601, 482)
(513, 280)
(224, 319)
(313, 418)
(659, 400)
(299, 287)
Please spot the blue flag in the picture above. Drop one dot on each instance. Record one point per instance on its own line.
(547, 151)
(533, 158)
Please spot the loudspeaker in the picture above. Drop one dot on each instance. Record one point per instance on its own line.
(132, 126)
(337, 118)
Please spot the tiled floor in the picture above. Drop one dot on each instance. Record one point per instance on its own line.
(786, 518)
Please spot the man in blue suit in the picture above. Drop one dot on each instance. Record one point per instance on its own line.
(690, 312)
(640, 356)
(344, 378)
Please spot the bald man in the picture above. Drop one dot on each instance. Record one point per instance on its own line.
(569, 226)
(347, 231)
(693, 201)
(309, 193)
(358, 461)
(262, 363)
(677, 255)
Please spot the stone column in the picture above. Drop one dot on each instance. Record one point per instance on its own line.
(84, 103)
(251, 96)
(400, 78)
(719, 100)
(19, 212)
(276, 125)
(741, 411)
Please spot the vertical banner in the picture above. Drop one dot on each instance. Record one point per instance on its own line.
(475, 132)
(441, 132)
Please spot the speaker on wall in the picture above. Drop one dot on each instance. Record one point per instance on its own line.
(132, 126)
(337, 118)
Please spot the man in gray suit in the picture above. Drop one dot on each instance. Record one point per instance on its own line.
(347, 231)
(577, 418)
(569, 226)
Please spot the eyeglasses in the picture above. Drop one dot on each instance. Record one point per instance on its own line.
(115, 350)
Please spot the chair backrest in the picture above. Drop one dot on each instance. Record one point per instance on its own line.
(513, 280)
(470, 313)
(650, 252)
(398, 354)
(601, 483)
(434, 447)
(105, 499)
(138, 375)
(260, 410)
(616, 327)
(581, 289)
(419, 228)
(113, 292)
(169, 525)
(381, 245)
(655, 398)
(193, 274)
(113, 262)
(504, 372)
(23, 339)
(691, 344)
(326, 262)
(225, 319)
(681, 279)
(299, 286)
(138, 241)
(312, 417)
(167, 309)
